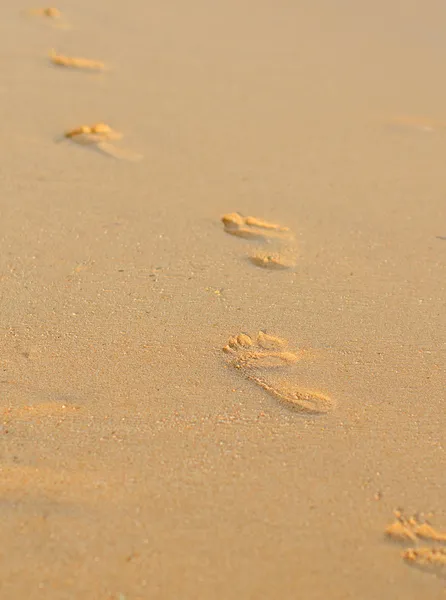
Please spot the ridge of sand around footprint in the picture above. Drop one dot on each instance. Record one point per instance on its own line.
(258, 360)
(278, 250)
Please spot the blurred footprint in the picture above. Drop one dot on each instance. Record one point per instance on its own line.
(49, 15)
(99, 137)
(72, 62)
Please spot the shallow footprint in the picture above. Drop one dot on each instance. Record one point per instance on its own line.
(49, 15)
(279, 251)
(100, 137)
(431, 559)
(252, 227)
(258, 359)
(413, 528)
(73, 62)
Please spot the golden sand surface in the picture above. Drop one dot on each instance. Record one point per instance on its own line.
(138, 460)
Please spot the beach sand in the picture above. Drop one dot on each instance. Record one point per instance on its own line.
(136, 461)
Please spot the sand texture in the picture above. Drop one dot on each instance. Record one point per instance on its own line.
(223, 316)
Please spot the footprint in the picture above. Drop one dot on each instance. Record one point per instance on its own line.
(76, 63)
(432, 558)
(278, 251)
(51, 16)
(99, 137)
(261, 359)
(411, 528)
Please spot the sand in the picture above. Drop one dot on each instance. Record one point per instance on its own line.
(136, 462)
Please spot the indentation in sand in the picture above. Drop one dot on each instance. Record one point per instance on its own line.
(413, 529)
(252, 227)
(50, 15)
(278, 251)
(76, 63)
(258, 360)
(99, 136)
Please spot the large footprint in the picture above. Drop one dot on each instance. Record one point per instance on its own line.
(278, 250)
(258, 360)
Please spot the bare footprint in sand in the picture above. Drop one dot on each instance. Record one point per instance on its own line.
(431, 558)
(100, 137)
(413, 528)
(260, 359)
(73, 62)
(278, 249)
(49, 15)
